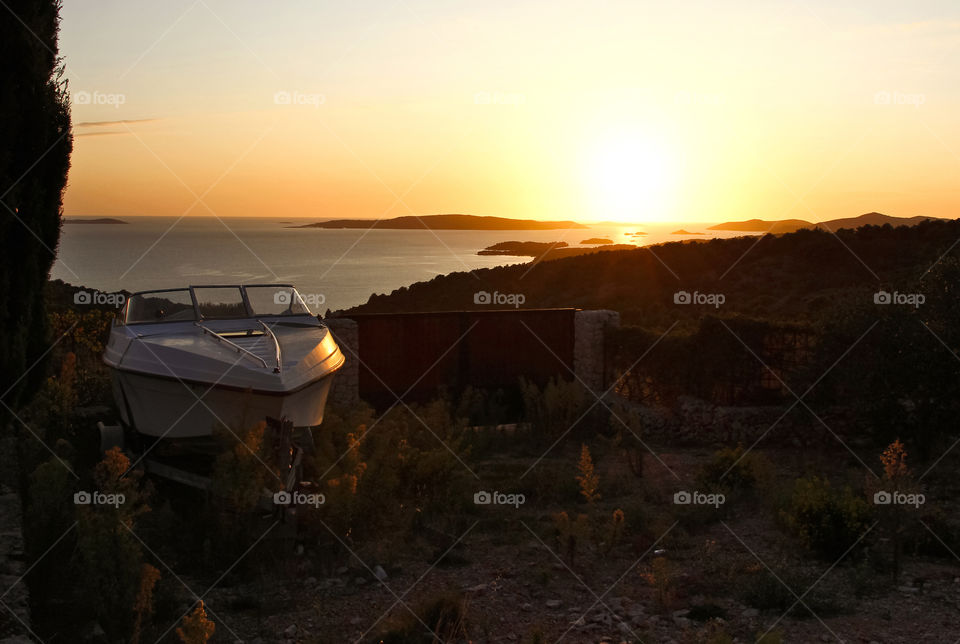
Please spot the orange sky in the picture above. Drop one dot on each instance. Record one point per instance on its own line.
(696, 111)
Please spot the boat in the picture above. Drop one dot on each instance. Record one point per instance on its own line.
(186, 361)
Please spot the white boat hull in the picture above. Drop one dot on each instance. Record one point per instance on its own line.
(168, 408)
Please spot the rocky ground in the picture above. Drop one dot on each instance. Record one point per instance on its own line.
(516, 587)
(14, 598)
(508, 600)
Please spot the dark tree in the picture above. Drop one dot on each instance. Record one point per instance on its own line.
(35, 146)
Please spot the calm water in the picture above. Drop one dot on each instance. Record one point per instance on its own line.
(339, 268)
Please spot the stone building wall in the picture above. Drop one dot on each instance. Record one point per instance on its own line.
(591, 330)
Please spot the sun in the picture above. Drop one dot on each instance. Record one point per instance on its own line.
(631, 177)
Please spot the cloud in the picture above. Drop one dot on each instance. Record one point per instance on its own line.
(109, 123)
(107, 133)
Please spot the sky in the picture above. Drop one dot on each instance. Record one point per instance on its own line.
(627, 111)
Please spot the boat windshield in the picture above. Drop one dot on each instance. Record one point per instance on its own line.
(213, 303)
(269, 299)
(220, 302)
(160, 306)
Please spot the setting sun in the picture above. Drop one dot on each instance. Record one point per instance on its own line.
(631, 177)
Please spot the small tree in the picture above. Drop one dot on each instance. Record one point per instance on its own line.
(587, 478)
(109, 555)
(897, 478)
(196, 628)
(143, 607)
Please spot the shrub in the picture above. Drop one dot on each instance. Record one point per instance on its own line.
(109, 555)
(733, 471)
(560, 408)
(627, 427)
(587, 478)
(829, 521)
(196, 628)
(661, 578)
(764, 591)
(445, 615)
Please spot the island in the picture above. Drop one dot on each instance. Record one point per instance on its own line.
(763, 226)
(100, 220)
(792, 225)
(518, 248)
(685, 232)
(547, 250)
(597, 241)
(446, 222)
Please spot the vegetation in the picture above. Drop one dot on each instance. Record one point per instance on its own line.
(796, 277)
(35, 129)
(827, 520)
(398, 486)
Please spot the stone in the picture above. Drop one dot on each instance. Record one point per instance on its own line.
(359, 581)
(342, 570)
(379, 573)
(526, 606)
(553, 603)
(290, 631)
(750, 612)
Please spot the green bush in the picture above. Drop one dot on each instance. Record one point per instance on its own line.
(389, 475)
(733, 471)
(561, 408)
(829, 521)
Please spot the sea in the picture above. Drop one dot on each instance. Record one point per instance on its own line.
(333, 268)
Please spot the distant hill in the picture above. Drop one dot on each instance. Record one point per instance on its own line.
(792, 225)
(547, 250)
(100, 220)
(597, 241)
(793, 277)
(764, 226)
(685, 232)
(871, 219)
(446, 222)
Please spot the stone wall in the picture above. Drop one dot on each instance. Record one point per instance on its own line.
(696, 422)
(591, 329)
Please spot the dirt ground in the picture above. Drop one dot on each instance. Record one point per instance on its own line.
(517, 585)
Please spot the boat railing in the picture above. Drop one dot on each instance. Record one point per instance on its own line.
(246, 352)
(276, 344)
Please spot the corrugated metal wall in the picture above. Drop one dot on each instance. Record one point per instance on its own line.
(414, 355)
